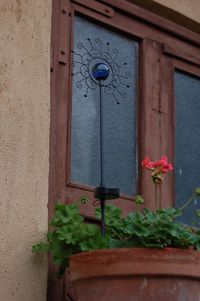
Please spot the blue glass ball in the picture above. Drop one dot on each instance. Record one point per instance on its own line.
(100, 71)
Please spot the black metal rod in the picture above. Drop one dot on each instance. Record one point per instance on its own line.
(102, 200)
(101, 137)
(103, 225)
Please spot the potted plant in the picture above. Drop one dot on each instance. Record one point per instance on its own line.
(147, 255)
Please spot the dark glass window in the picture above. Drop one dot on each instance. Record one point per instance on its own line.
(93, 44)
(187, 91)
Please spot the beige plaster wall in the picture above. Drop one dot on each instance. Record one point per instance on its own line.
(183, 12)
(189, 8)
(25, 30)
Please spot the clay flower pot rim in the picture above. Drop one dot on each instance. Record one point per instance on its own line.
(135, 261)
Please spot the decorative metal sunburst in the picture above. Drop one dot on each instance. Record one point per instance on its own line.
(89, 54)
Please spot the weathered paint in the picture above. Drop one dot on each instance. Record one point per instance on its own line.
(24, 146)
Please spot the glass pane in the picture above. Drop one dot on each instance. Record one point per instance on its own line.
(187, 141)
(94, 44)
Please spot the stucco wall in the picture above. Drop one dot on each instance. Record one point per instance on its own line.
(25, 30)
(183, 12)
(189, 8)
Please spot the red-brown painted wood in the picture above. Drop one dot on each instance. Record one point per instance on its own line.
(181, 54)
(149, 125)
(167, 126)
(186, 67)
(61, 25)
(96, 6)
(140, 29)
(155, 20)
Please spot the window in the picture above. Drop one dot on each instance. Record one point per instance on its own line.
(187, 154)
(143, 124)
(93, 43)
(158, 117)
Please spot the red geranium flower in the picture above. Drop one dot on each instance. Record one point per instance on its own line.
(146, 163)
(158, 168)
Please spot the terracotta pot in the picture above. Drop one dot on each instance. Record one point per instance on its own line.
(137, 274)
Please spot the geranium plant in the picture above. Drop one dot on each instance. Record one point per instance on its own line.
(158, 170)
(149, 229)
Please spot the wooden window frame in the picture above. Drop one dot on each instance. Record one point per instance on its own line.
(164, 46)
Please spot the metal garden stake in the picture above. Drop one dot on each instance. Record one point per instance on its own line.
(97, 68)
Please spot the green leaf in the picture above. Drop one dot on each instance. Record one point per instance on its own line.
(197, 191)
(139, 200)
(117, 243)
(135, 218)
(60, 252)
(111, 213)
(153, 245)
(84, 200)
(150, 229)
(66, 214)
(40, 247)
(89, 230)
(62, 267)
(95, 243)
(172, 212)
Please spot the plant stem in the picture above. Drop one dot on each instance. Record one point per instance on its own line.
(195, 220)
(187, 202)
(157, 195)
(103, 225)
